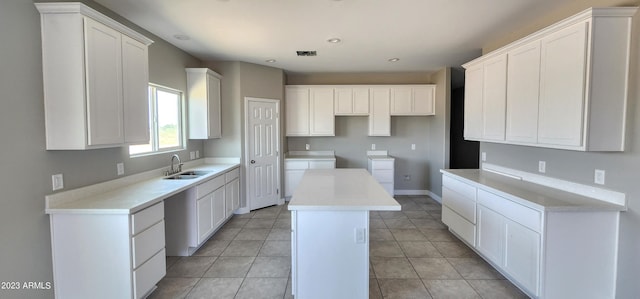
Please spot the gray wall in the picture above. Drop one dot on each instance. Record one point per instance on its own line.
(25, 179)
(240, 80)
(622, 169)
(351, 141)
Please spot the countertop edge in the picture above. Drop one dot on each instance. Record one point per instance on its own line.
(66, 206)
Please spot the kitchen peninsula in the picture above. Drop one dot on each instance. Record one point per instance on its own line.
(330, 232)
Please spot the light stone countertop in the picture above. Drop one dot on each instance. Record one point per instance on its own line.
(345, 189)
(529, 194)
(128, 199)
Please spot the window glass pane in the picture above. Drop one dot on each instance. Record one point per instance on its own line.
(168, 119)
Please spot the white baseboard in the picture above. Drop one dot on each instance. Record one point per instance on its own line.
(243, 210)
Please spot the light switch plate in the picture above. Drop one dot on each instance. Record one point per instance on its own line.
(413, 146)
(483, 156)
(307, 147)
(197, 154)
(57, 181)
(542, 166)
(599, 176)
(120, 168)
(373, 146)
(192, 155)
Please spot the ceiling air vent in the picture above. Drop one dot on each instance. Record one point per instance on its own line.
(306, 53)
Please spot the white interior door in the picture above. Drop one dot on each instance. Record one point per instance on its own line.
(262, 152)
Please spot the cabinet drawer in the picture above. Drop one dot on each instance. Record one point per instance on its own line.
(461, 188)
(456, 223)
(322, 164)
(231, 175)
(147, 243)
(304, 164)
(383, 176)
(145, 277)
(208, 187)
(514, 211)
(382, 164)
(146, 218)
(459, 203)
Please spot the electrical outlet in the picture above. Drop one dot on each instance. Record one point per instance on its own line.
(360, 235)
(197, 154)
(307, 147)
(120, 168)
(373, 146)
(413, 146)
(407, 177)
(483, 156)
(57, 181)
(542, 166)
(192, 155)
(599, 177)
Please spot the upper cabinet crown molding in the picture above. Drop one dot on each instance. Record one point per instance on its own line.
(81, 8)
(95, 77)
(566, 85)
(203, 89)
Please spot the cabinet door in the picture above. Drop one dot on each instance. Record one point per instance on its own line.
(361, 101)
(522, 255)
(379, 117)
(474, 82)
(424, 100)
(321, 110)
(343, 101)
(523, 85)
(494, 98)
(213, 96)
(135, 83)
(297, 111)
(204, 208)
(218, 205)
(103, 56)
(231, 197)
(401, 100)
(562, 86)
(490, 234)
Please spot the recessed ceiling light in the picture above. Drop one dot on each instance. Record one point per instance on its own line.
(270, 60)
(181, 37)
(394, 59)
(334, 40)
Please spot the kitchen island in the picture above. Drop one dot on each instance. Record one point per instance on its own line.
(330, 232)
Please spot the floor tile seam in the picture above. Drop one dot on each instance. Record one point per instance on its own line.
(193, 287)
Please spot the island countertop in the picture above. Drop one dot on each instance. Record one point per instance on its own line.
(341, 189)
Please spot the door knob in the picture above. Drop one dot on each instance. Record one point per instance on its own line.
(253, 161)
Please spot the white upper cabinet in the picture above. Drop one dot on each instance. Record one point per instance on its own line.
(321, 122)
(351, 101)
(566, 85)
(203, 89)
(309, 111)
(563, 86)
(522, 93)
(485, 99)
(413, 100)
(380, 116)
(297, 111)
(95, 74)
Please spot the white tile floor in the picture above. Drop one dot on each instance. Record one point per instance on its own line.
(412, 256)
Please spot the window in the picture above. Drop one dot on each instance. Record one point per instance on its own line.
(165, 122)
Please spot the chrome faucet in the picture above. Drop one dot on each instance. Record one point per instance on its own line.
(179, 169)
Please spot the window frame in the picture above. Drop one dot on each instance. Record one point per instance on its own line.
(153, 122)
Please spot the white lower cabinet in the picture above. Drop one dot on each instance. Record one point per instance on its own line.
(294, 170)
(197, 213)
(382, 167)
(127, 253)
(560, 253)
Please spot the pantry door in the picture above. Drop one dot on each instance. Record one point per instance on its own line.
(262, 158)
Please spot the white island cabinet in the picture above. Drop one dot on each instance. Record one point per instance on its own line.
(330, 232)
(550, 243)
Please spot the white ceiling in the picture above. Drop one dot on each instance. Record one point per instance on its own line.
(425, 34)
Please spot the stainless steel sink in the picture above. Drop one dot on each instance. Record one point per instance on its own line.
(187, 175)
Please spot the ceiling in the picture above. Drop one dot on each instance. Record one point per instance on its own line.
(425, 35)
